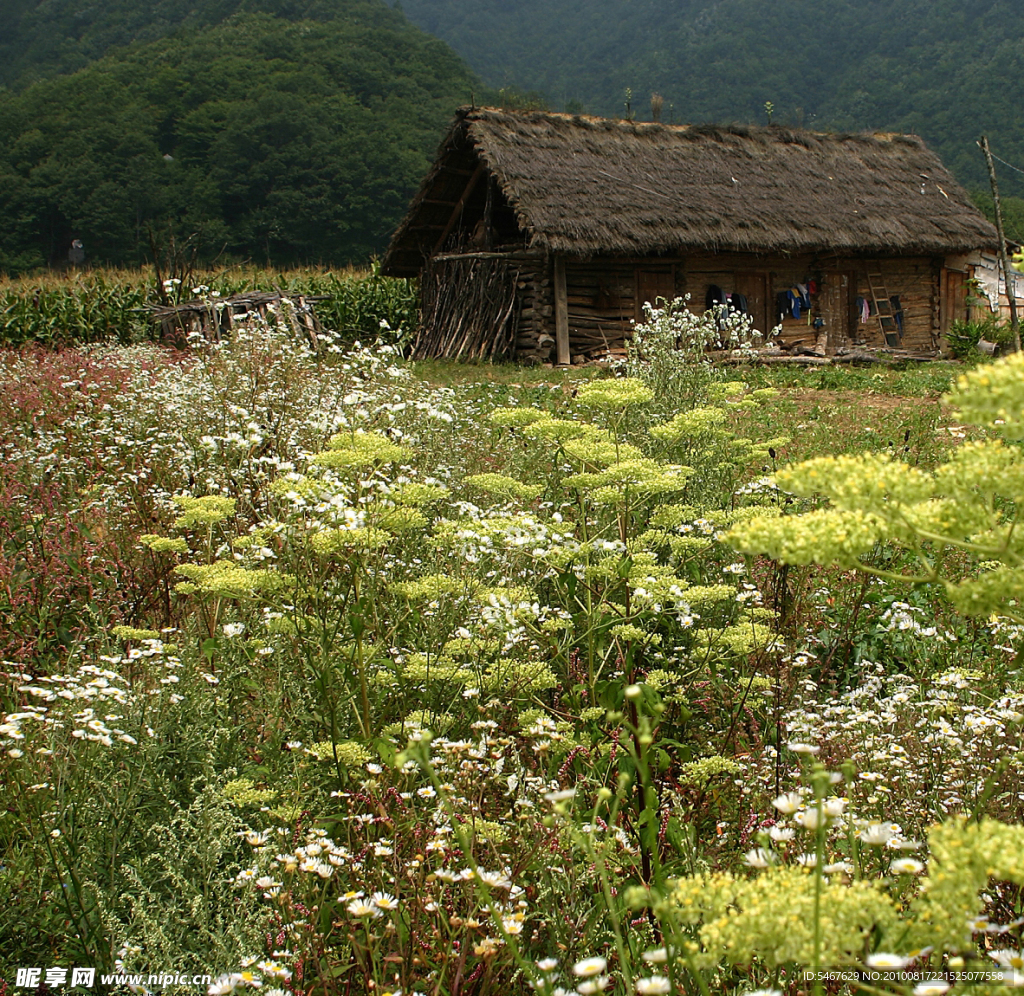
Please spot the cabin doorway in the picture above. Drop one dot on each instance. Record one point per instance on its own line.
(834, 305)
(953, 299)
(754, 287)
(652, 285)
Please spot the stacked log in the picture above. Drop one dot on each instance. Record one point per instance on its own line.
(535, 342)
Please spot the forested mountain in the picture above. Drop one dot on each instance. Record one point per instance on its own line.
(296, 130)
(947, 70)
(269, 138)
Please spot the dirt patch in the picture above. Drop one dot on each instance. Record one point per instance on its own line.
(858, 402)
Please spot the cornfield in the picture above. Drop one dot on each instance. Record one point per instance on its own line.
(111, 305)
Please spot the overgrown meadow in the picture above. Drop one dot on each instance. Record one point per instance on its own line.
(326, 674)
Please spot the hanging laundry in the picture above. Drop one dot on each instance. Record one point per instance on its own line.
(812, 287)
(715, 295)
(794, 303)
(805, 299)
(897, 312)
(782, 306)
(738, 303)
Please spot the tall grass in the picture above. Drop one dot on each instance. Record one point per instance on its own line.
(110, 305)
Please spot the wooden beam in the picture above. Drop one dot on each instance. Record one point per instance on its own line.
(489, 214)
(459, 205)
(561, 314)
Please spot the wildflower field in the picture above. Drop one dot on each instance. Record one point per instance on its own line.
(325, 673)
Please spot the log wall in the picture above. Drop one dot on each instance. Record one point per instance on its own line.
(604, 297)
(916, 281)
(601, 297)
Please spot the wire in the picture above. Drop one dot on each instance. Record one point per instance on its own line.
(1005, 163)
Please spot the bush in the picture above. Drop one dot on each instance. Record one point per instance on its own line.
(963, 336)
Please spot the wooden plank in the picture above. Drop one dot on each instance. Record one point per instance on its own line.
(459, 205)
(561, 314)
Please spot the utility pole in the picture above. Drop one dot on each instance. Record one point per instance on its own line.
(1011, 295)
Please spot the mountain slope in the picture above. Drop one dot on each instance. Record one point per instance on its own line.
(280, 140)
(947, 70)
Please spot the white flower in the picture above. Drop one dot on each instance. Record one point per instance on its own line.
(1008, 958)
(592, 986)
(800, 748)
(653, 984)
(759, 858)
(789, 803)
(931, 987)
(384, 901)
(231, 630)
(547, 964)
(657, 956)
(906, 866)
(589, 967)
(882, 959)
(810, 819)
(359, 909)
(781, 834)
(877, 834)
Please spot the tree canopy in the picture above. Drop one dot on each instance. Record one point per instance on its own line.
(266, 138)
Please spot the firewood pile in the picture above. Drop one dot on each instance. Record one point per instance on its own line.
(469, 308)
(214, 318)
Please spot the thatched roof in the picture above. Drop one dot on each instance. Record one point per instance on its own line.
(590, 186)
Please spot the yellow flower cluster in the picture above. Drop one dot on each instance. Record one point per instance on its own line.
(993, 395)
(328, 542)
(771, 917)
(505, 487)
(964, 857)
(614, 394)
(361, 449)
(243, 792)
(516, 417)
(828, 536)
(227, 579)
(164, 544)
(135, 635)
(205, 511)
(699, 773)
(685, 425)
(350, 753)
(434, 586)
(868, 482)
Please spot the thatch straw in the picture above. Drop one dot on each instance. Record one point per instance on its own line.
(590, 186)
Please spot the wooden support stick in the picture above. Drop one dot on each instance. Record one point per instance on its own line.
(1011, 291)
(561, 314)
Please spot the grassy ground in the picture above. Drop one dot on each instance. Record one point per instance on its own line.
(823, 410)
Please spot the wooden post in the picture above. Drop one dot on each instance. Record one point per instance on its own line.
(561, 314)
(1010, 280)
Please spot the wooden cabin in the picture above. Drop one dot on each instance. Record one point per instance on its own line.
(540, 236)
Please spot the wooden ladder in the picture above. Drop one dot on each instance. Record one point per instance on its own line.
(887, 324)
